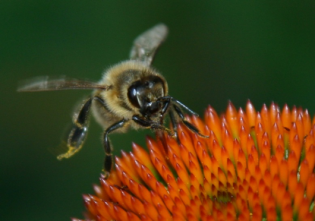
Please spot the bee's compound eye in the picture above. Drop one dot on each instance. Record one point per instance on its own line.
(133, 94)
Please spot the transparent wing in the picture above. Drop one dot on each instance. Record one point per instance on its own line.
(47, 84)
(146, 44)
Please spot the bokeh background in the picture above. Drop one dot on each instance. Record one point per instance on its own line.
(215, 52)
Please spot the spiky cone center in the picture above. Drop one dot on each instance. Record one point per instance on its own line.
(254, 166)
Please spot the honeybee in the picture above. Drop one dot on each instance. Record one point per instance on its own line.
(130, 94)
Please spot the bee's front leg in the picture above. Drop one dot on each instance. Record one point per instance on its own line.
(150, 124)
(108, 163)
(186, 123)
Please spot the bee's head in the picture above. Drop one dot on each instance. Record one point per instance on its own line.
(144, 94)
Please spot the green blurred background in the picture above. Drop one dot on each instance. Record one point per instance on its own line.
(215, 52)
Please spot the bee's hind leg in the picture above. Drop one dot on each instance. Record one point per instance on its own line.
(108, 162)
(78, 132)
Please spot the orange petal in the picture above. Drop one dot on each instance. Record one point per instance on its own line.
(195, 169)
(284, 172)
(304, 208)
(298, 197)
(306, 122)
(300, 126)
(274, 169)
(228, 143)
(232, 119)
(286, 117)
(243, 139)
(150, 210)
(266, 121)
(143, 156)
(287, 213)
(310, 187)
(304, 172)
(213, 122)
(292, 183)
(310, 157)
(292, 162)
(266, 149)
(251, 114)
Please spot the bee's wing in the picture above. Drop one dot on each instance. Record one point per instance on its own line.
(146, 44)
(47, 84)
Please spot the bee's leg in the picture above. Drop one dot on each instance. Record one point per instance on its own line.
(172, 117)
(177, 102)
(78, 132)
(166, 104)
(187, 124)
(108, 163)
(150, 124)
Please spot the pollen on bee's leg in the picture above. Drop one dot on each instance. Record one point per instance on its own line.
(63, 150)
(105, 174)
(71, 151)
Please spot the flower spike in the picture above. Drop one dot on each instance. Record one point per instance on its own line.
(254, 166)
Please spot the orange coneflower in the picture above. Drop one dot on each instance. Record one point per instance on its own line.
(254, 166)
